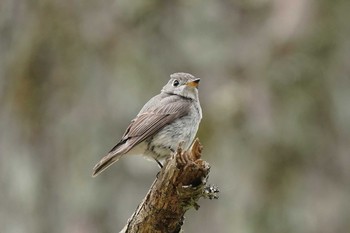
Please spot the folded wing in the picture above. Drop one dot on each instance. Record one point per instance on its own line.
(147, 123)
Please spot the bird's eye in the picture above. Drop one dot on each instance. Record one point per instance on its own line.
(176, 83)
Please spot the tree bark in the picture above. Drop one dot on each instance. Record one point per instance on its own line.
(177, 188)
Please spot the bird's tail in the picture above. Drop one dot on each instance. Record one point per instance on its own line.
(105, 162)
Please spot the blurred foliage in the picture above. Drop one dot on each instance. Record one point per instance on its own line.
(274, 92)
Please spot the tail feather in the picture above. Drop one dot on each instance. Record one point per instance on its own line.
(105, 162)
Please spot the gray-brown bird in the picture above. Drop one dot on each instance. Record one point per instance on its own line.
(171, 117)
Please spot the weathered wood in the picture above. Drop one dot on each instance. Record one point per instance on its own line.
(177, 188)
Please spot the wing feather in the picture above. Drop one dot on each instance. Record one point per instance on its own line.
(148, 123)
(156, 114)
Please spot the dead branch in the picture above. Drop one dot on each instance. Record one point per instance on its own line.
(177, 188)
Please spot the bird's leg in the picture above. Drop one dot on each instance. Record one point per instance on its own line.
(159, 163)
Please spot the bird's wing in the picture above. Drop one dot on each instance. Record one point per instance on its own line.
(147, 123)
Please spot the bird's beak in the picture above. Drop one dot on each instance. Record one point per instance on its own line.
(193, 83)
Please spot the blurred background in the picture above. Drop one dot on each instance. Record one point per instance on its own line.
(274, 92)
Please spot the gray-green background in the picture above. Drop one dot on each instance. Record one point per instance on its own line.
(275, 95)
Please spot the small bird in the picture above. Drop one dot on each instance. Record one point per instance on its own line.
(171, 117)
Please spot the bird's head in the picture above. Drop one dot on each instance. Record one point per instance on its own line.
(182, 84)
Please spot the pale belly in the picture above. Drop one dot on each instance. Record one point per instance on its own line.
(167, 140)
